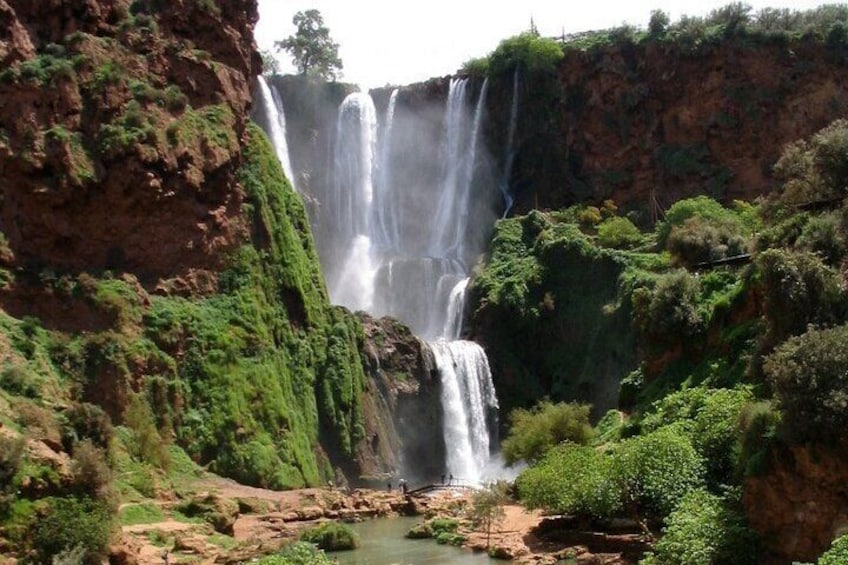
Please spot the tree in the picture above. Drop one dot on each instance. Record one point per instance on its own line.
(534, 432)
(270, 65)
(311, 48)
(487, 508)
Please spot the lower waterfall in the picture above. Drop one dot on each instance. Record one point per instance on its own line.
(404, 227)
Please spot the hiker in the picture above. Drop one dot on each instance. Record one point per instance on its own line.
(443, 478)
(402, 485)
(450, 481)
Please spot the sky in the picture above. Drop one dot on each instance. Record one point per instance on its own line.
(398, 42)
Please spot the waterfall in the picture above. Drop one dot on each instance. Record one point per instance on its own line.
(386, 208)
(510, 140)
(397, 219)
(275, 118)
(468, 396)
(350, 279)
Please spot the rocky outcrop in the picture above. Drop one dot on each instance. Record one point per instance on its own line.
(120, 135)
(401, 406)
(799, 504)
(650, 123)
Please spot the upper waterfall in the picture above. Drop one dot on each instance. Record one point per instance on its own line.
(409, 204)
(274, 117)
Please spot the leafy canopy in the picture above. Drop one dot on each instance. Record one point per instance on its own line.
(311, 47)
(534, 432)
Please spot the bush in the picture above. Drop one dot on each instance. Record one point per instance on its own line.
(91, 472)
(11, 452)
(86, 421)
(799, 290)
(705, 529)
(709, 418)
(331, 536)
(297, 553)
(823, 236)
(145, 443)
(702, 207)
(700, 240)
(814, 170)
(618, 233)
(669, 312)
(528, 52)
(809, 375)
(655, 471)
(571, 479)
(92, 529)
(758, 424)
(533, 432)
(20, 381)
(837, 554)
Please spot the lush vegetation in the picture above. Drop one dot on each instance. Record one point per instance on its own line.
(738, 361)
(534, 432)
(313, 51)
(331, 536)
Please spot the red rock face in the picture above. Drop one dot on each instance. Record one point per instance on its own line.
(801, 504)
(649, 124)
(119, 135)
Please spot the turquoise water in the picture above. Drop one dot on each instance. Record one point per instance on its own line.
(382, 543)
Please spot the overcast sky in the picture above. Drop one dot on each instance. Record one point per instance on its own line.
(400, 41)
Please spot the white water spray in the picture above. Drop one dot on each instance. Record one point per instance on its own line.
(275, 117)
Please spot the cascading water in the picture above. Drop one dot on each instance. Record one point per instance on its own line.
(397, 219)
(275, 118)
(510, 140)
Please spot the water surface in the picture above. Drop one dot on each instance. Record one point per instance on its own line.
(382, 543)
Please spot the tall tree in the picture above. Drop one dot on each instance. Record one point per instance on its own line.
(311, 48)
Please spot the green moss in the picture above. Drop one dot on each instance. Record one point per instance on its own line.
(146, 513)
(211, 125)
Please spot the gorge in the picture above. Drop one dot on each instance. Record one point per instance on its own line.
(637, 237)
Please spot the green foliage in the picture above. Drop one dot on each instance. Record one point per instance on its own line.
(707, 210)
(815, 169)
(705, 530)
(86, 421)
(809, 375)
(146, 444)
(533, 432)
(709, 418)
(758, 425)
(331, 536)
(618, 233)
(487, 508)
(313, 51)
(92, 475)
(528, 52)
(656, 470)
(145, 513)
(799, 290)
(297, 553)
(571, 479)
(668, 313)
(11, 452)
(476, 67)
(92, 528)
(837, 554)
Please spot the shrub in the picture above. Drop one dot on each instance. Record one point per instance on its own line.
(145, 443)
(20, 381)
(528, 52)
(700, 240)
(705, 529)
(702, 207)
(331, 536)
(668, 313)
(799, 290)
(533, 432)
(571, 479)
(297, 553)
(823, 235)
(11, 452)
(709, 418)
(86, 421)
(92, 529)
(837, 554)
(658, 24)
(618, 233)
(809, 375)
(814, 170)
(655, 471)
(91, 472)
(758, 424)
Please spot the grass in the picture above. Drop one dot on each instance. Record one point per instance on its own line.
(144, 513)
